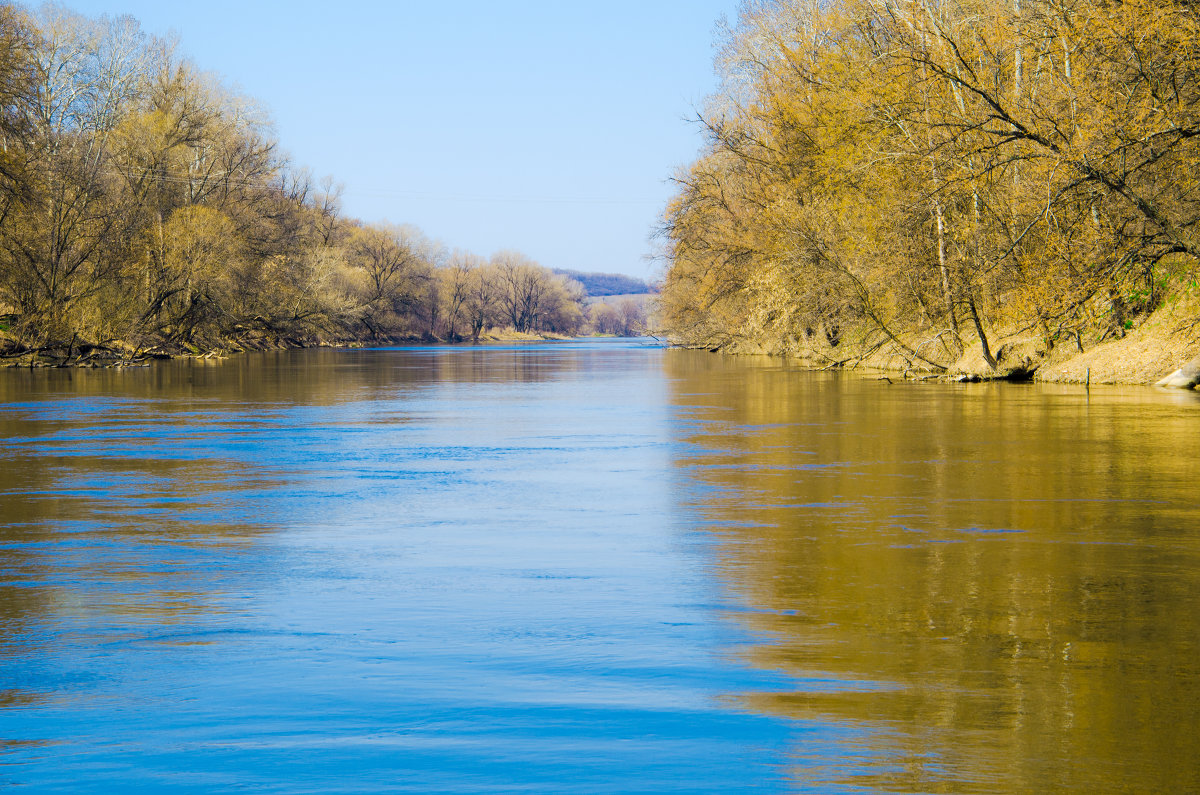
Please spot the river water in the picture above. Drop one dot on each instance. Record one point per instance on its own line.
(592, 567)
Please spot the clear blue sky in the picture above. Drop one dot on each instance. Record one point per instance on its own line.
(547, 127)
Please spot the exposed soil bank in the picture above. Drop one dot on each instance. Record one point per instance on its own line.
(1135, 359)
(1161, 344)
(1146, 353)
(1142, 356)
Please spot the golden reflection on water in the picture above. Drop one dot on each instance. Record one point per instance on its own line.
(999, 584)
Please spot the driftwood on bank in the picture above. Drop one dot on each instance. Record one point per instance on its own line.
(73, 354)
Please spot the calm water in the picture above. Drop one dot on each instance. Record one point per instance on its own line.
(592, 567)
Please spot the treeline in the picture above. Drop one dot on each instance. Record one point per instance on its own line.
(626, 316)
(144, 206)
(924, 179)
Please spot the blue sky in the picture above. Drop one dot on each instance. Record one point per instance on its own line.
(546, 127)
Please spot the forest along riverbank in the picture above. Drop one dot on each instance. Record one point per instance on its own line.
(147, 213)
(899, 187)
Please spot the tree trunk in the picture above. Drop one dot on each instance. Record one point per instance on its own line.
(947, 296)
(983, 340)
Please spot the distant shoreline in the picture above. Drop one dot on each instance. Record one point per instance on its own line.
(96, 357)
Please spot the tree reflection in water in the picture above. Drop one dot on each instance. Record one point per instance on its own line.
(1000, 581)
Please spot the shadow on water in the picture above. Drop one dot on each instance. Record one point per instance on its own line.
(1000, 583)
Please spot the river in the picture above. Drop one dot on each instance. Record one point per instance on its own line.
(594, 566)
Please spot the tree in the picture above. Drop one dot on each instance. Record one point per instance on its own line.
(396, 270)
(188, 263)
(482, 298)
(64, 236)
(17, 83)
(604, 319)
(455, 285)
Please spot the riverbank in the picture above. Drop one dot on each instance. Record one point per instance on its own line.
(117, 353)
(1148, 350)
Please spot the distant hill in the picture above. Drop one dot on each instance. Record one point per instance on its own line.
(641, 299)
(602, 284)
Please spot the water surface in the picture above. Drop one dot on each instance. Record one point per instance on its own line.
(597, 566)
